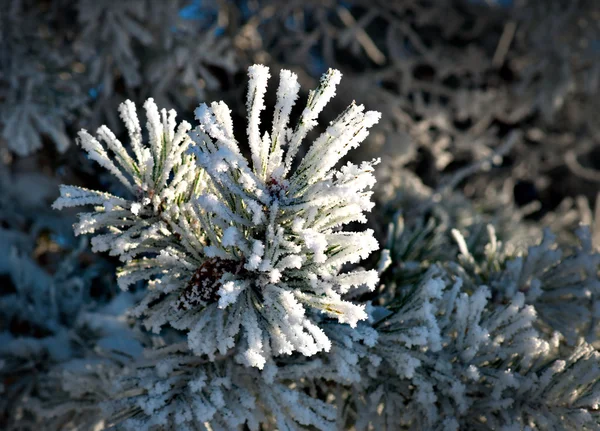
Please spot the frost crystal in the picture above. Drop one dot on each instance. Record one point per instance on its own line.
(238, 251)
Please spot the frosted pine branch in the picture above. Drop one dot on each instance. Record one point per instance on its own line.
(237, 252)
(173, 389)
